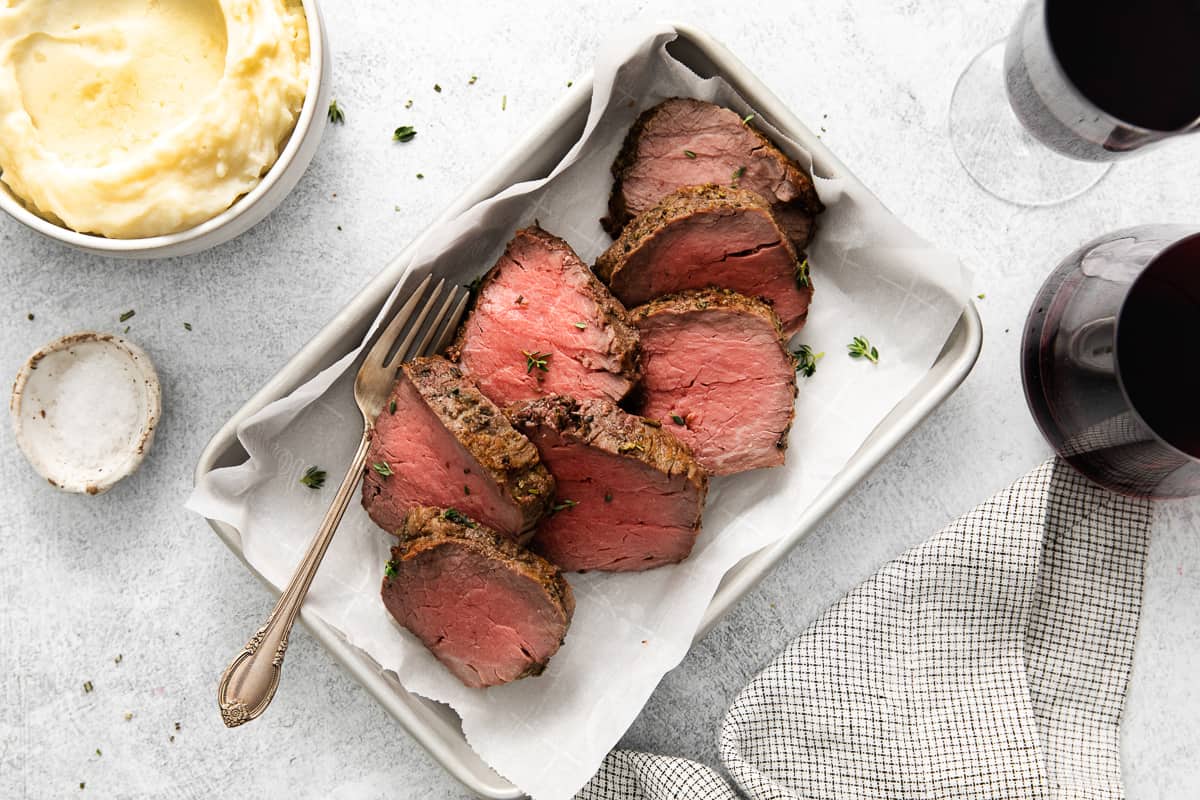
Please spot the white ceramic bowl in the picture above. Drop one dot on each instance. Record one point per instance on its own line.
(248, 210)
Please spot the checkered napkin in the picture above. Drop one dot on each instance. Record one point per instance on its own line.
(990, 662)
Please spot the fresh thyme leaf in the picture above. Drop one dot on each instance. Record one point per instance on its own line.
(336, 115)
(861, 348)
(570, 84)
(563, 506)
(383, 468)
(392, 407)
(504, 103)
(471, 82)
(806, 360)
(128, 315)
(187, 326)
(126, 329)
(404, 133)
(802, 279)
(981, 295)
(537, 360)
(437, 88)
(87, 686)
(98, 752)
(581, 325)
(608, 497)
(678, 420)
(313, 477)
(459, 518)
(746, 119)
(420, 176)
(389, 569)
(738, 173)
(689, 154)
(29, 316)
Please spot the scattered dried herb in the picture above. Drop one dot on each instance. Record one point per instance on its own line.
(177, 726)
(536, 360)
(336, 115)
(608, 497)
(981, 296)
(389, 569)
(689, 154)
(806, 360)
(313, 477)
(392, 407)
(437, 87)
(128, 315)
(563, 506)
(405, 133)
(678, 420)
(408, 104)
(128, 716)
(471, 82)
(738, 173)
(98, 752)
(187, 326)
(459, 518)
(802, 279)
(117, 660)
(29, 316)
(625, 447)
(87, 687)
(420, 176)
(570, 84)
(581, 325)
(504, 103)
(861, 348)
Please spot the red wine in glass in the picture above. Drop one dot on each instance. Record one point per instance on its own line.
(1098, 79)
(1037, 118)
(1108, 360)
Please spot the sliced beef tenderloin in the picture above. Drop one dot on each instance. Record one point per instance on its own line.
(630, 495)
(684, 142)
(440, 441)
(709, 235)
(718, 375)
(543, 324)
(489, 609)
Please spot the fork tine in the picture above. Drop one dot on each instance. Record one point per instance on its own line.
(422, 347)
(383, 343)
(451, 324)
(415, 327)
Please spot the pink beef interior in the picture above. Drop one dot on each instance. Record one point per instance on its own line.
(722, 145)
(486, 622)
(430, 467)
(727, 377)
(739, 251)
(648, 519)
(533, 305)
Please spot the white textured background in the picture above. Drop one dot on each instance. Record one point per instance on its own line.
(83, 580)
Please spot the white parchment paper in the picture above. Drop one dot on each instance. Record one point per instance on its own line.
(872, 276)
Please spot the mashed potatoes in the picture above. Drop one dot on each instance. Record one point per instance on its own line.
(134, 118)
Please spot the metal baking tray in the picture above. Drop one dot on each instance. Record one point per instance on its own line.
(434, 725)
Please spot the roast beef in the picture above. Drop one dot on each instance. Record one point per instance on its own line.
(684, 142)
(489, 609)
(630, 495)
(709, 235)
(717, 372)
(440, 441)
(543, 324)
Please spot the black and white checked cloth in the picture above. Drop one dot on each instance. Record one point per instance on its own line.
(990, 662)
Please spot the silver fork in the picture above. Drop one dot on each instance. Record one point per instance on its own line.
(250, 680)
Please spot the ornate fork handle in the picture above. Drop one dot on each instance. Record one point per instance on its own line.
(250, 680)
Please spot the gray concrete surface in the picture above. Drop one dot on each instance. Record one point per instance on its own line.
(137, 596)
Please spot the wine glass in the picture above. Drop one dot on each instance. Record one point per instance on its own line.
(1038, 118)
(1107, 360)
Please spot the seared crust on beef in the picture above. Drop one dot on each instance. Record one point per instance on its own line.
(478, 423)
(602, 425)
(792, 190)
(426, 528)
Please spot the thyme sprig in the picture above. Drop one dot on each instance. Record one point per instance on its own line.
(806, 360)
(861, 348)
(536, 360)
(313, 477)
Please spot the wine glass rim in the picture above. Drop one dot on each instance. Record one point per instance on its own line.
(1117, 371)
(1083, 99)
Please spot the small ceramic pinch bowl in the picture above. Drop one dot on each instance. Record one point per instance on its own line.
(84, 410)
